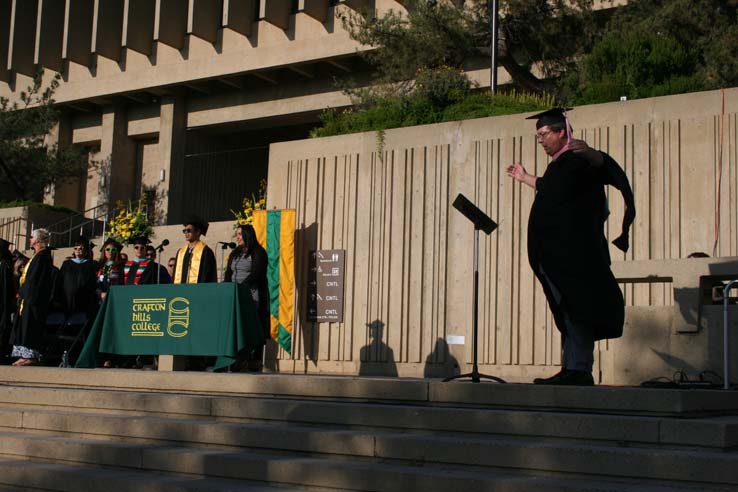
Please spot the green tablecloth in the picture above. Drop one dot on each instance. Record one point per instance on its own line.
(196, 319)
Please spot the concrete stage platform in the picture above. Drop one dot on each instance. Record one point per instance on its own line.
(117, 430)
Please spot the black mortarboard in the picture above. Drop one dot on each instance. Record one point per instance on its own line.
(140, 240)
(5, 244)
(197, 222)
(111, 240)
(550, 117)
(17, 254)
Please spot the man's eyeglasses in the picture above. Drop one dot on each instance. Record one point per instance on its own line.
(77, 248)
(111, 250)
(187, 230)
(139, 246)
(543, 135)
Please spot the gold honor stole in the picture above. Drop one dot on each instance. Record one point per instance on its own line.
(194, 267)
(275, 231)
(23, 280)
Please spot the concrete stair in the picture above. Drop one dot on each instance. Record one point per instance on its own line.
(139, 430)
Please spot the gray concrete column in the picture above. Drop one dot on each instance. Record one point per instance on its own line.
(78, 31)
(138, 25)
(22, 36)
(5, 8)
(107, 28)
(49, 34)
(204, 19)
(121, 150)
(239, 15)
(170, 25)
(173, 125)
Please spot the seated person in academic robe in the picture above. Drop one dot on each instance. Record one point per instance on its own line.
(79, 279)
(7, 297)
(195, 262)
(163, 276)
(35, 295)
(139, 270)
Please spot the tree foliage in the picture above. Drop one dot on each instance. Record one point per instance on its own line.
(537, 39)
(28, 162)
(659, 47)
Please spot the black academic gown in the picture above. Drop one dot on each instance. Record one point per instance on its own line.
(29, 327)
(566, 240)
(148, 276)
(7, 304)
(208, 268)
(79, 283)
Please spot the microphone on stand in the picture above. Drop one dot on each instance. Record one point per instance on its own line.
(160, 248)
(224, 247)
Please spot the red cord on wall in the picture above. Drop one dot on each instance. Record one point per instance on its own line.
(720, 175)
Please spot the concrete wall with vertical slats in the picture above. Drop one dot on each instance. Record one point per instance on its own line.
(386, 201)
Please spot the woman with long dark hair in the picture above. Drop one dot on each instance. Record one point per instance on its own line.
(110, 267)
(247, 266)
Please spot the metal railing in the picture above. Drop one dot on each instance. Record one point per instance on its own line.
(726, 339)
(90, 223)
(14, 230)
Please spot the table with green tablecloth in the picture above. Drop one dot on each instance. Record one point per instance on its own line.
(196, 319)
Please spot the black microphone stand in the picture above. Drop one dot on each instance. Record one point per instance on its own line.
(221, 270)
(159, 250)
(483, 222)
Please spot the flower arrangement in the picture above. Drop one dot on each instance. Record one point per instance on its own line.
(130, 222)
(245, 216)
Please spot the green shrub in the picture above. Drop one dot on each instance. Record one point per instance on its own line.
(635, 65)
(422, 108)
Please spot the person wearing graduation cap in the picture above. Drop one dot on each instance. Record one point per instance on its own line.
(34, 292)
(567, 248)
(195, 263)
(139, 270)
(79, 279)
(111, 267)
(8, 299)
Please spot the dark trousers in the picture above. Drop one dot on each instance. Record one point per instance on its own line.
(577, 341)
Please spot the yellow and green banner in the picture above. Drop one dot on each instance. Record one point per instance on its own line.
(275, 231)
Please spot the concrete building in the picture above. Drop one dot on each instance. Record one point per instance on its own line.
(180, 99)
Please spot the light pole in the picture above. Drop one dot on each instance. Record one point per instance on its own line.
(494, 7)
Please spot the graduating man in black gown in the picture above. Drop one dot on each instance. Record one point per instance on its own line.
(567, 249)
(195, 262)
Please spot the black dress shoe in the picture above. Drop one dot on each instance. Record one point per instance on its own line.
(549, 379)
(568, 377)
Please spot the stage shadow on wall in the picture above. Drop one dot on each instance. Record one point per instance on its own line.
(440, 363)
(376, 357)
